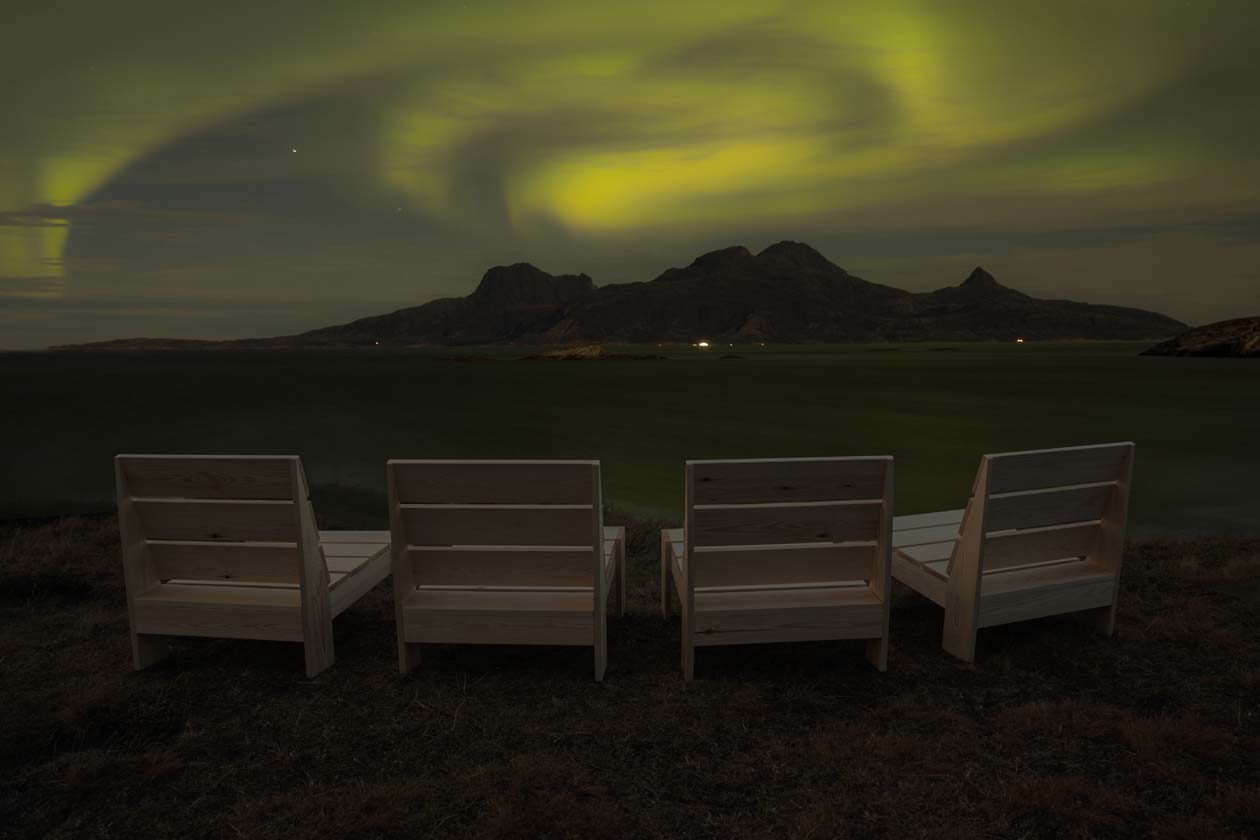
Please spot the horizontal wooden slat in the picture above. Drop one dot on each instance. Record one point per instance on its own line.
(1038, 508)
(502, 566)
(769, 565)
(215, 520)
(788, 480)
(1011, 472)
(511, 525)
(254, 562)
(1020, 548)
(208, 476)
(789, 523)
(494, 482)
(327, 538)
(226, 612)
(924, 536)
(928, 520)
(929, 552)
(786, 615)
(1020, 594)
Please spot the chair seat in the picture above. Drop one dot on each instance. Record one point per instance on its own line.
(932, 557)
(346, 553)
(926, 528)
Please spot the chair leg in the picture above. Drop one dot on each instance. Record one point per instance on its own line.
(960, 641)
(408, 657)
(688, 648)
(147, 649)
(664, 576)
(1102, 619)
(621, 575)
(877, 653)
(319, 656)
(601, 658)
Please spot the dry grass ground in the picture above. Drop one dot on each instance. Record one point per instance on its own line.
(1054, 732)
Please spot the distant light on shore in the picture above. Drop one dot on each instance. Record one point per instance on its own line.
(702, 344)
(1019, 341)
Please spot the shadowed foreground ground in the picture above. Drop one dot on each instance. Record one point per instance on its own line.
(1054, 732)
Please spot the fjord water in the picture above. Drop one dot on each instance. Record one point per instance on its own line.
(937, 408)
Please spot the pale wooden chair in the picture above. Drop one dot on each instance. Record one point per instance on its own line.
(502, 552)
(226, 546)
(1043, 534)
(783, 549)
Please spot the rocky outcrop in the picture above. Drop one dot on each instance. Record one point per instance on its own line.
(1239, 338)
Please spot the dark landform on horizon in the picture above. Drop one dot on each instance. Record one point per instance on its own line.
(787, 293)
(1239, 337)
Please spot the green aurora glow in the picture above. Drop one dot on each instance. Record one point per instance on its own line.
(1102, 150)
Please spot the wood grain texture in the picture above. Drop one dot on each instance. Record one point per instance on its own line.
(235, 536)
(1044, 591)
(599, 613)
(962, 589)
(522, 565)
(926, 536)
(402, 571)
(913, 522)
(501, 553)
(880, 580)
(220, 612)
(1040, 508)
(761, 555)
(1042, 535)
(215, 520)
(847, 612)
(788, 480)
(1037, 545)
(363, 579)
(1043, 468)
(777, 564)
(245, 562)
(209, 476)
(138, 574)
(493, 482)
(317, 632)
(442, 525)
(1108, 549)
(919, 578)
(829, 522)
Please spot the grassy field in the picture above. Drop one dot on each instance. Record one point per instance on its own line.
(935, 407)
(1054, 732)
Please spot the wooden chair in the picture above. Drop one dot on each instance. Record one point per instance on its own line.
(785, 549)
(502, 552)
(1043, 534)
(226, 546)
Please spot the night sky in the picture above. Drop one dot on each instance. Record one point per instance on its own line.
(231, 169)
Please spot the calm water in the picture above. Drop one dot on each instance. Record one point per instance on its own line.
(936, 408)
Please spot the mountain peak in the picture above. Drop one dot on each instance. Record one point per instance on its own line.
(981, 280)
(522, 284)
(722, 258)
(795, 255)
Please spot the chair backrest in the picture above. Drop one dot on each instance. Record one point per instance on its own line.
(1048, 505)
(226, 518)
(788, 521)
(496, 524)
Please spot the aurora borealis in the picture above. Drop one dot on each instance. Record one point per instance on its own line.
(218, 170)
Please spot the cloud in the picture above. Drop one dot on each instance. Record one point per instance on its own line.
(435, 139)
